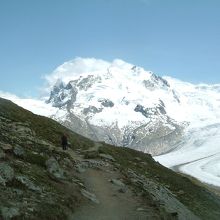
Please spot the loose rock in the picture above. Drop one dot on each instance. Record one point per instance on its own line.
(67, 162)
(9, 213)
(6, 147)
(28, 183)
(80, 169)
(18, 151)
(90, 196)
(107, 157)
(117, 182)
(2, 154)
(140, 209)
(122, 190)
(6, 173)
(54, 169)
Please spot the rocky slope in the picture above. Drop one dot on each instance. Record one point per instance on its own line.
(89, 181)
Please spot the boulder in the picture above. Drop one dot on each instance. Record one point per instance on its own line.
(117, 182)
(54, 168)
(90, 196)
(6, 147)
(140, 209)
(2, 154)
(67, 163)
(91, 163)
(122, 190)
(6, 173)
(28, 183)
(9, 213)
(18, 151)
(91, 154)
(107, 157)
(80, 168)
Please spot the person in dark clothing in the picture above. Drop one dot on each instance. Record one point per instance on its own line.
(64, 141)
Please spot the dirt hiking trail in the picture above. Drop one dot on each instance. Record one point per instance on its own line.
(113, 205)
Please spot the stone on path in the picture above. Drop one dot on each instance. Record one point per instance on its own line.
(90, 196)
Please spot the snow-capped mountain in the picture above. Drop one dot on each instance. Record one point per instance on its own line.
(125, 105)
(121, 104)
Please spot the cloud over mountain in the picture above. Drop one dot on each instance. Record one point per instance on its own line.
(80, 66)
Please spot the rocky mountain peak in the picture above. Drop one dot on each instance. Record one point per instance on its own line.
(117, 103)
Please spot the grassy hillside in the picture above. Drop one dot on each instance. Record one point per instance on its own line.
(202, 202)
(44, 127)
(27, 189)
(30, 190)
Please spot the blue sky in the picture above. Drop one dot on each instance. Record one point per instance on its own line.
(179, 38)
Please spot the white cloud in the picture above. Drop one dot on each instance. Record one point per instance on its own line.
(82, 66)
(69, 71)
(7, 95)
(72, 69)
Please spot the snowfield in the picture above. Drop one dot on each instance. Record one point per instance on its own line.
(37, 106)
(198, 154)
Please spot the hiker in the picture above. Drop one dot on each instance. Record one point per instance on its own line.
(64, 141)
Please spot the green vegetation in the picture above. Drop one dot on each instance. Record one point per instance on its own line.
(196, 197)
(37, 159)
(40, 197)
(45, 128)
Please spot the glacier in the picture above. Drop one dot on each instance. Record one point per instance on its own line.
(198, 154)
